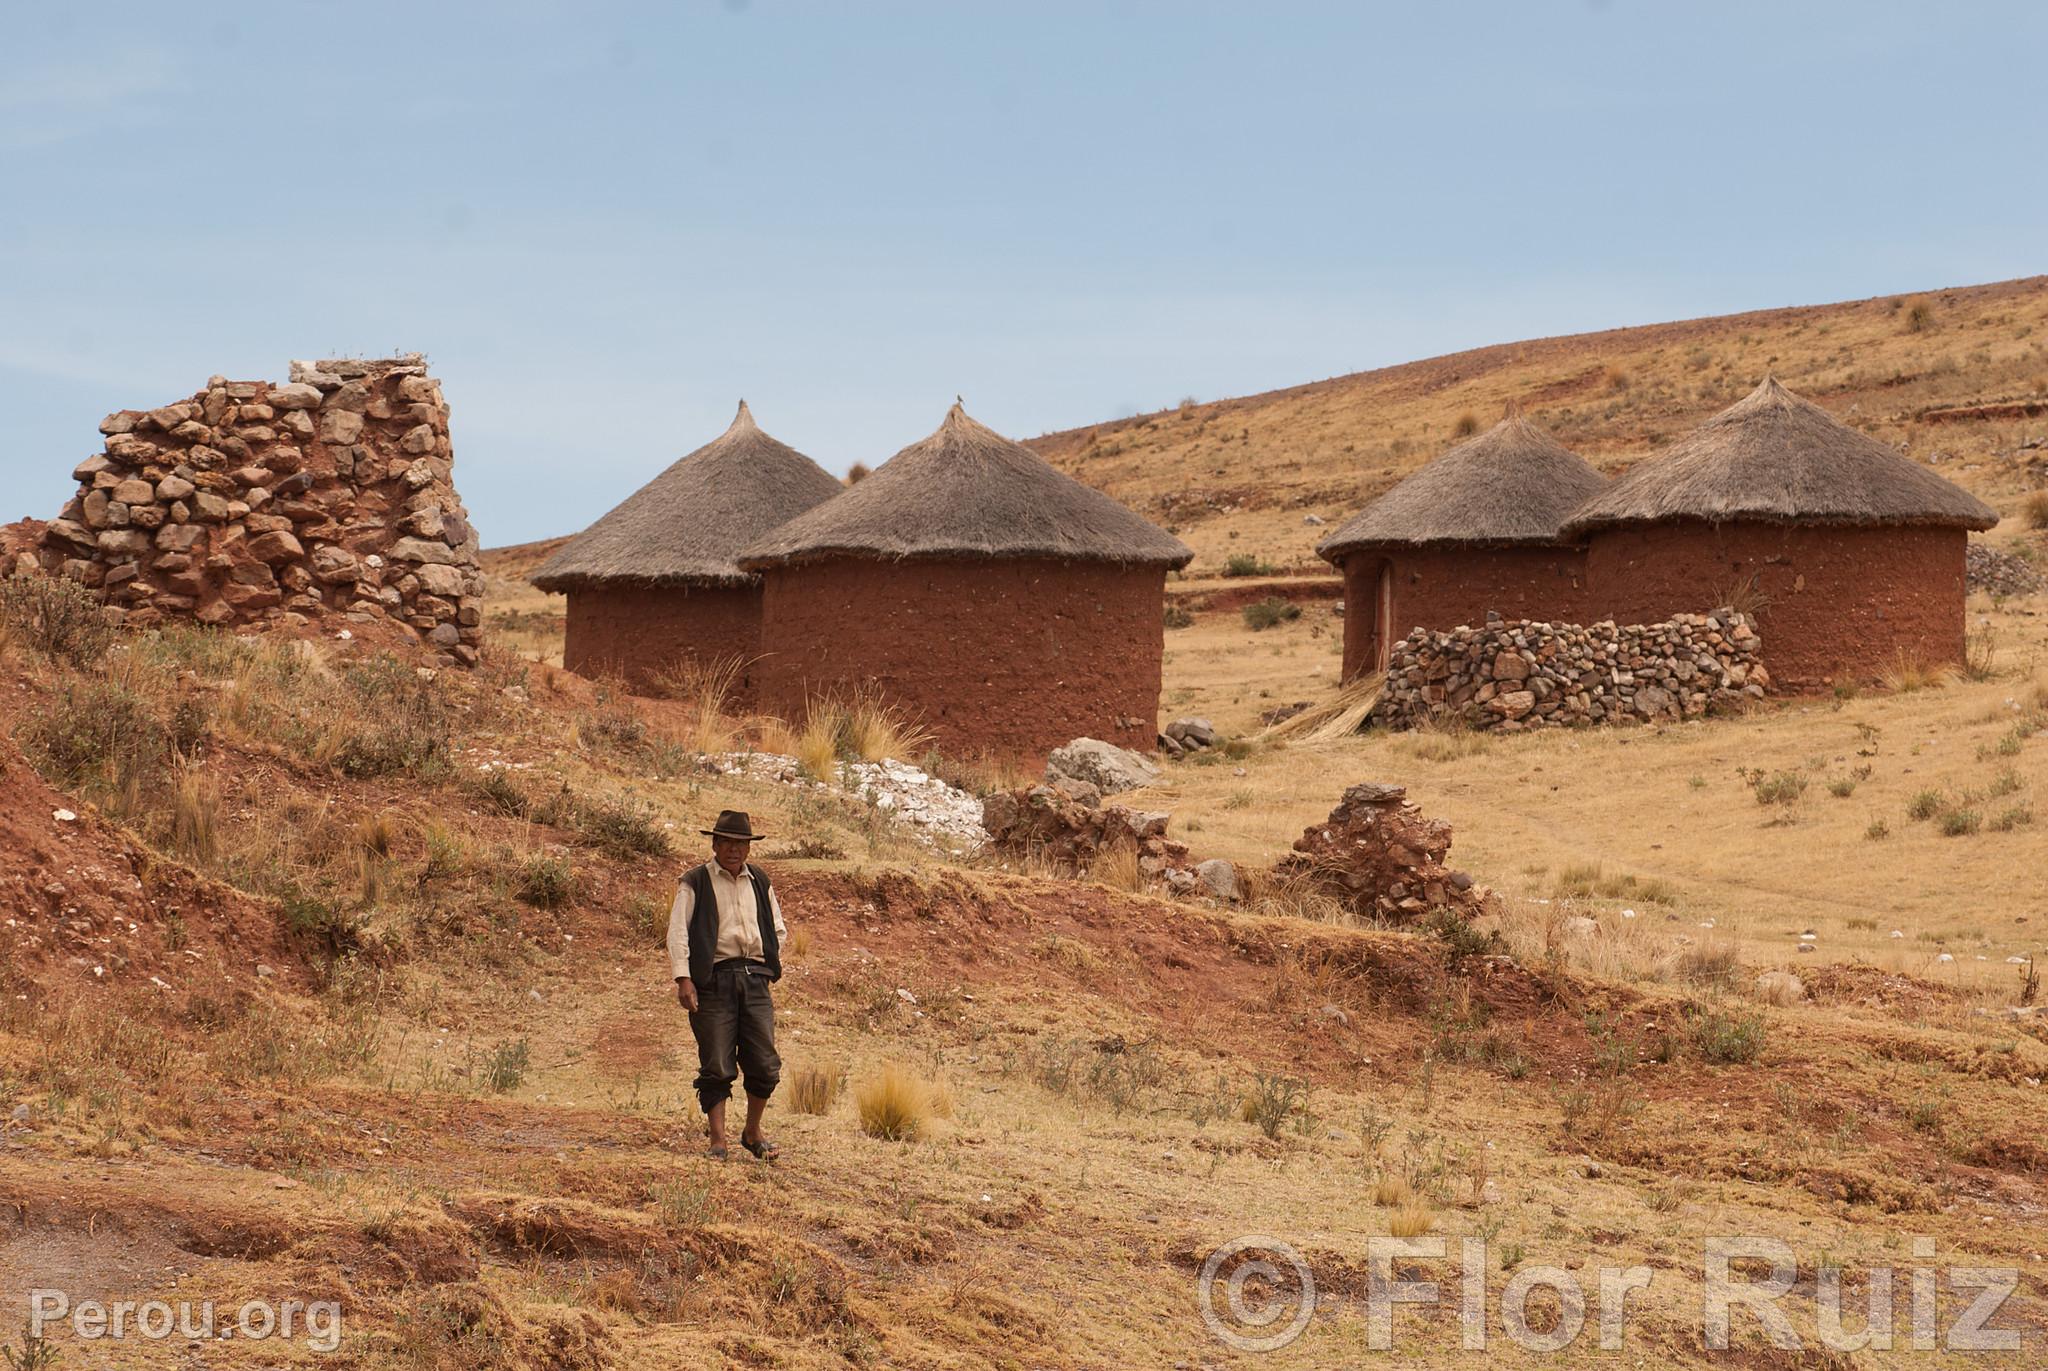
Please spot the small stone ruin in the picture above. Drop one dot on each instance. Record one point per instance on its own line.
(330, 497)
(1382, 859)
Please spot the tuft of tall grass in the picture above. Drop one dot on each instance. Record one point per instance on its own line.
(1392, 1191)
(1980, 655)
(813, 1090)
(1116, 866)
(2034, 510)
(195, 814)
(894, 1104)
(1910, 672)
(1411, 1221)
(706, 690)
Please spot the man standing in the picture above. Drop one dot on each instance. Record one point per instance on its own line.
(725, 935)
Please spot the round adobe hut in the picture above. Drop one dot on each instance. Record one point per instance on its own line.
(1852, 552)
(653, 586)
(1474, 531)
(1005, 607)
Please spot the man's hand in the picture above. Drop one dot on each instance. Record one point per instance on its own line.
(686, 993)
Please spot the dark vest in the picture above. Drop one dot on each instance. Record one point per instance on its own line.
(704, 930)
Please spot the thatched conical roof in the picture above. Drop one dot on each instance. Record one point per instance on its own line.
(1775, 457)
(967, 491)
(687, 525)
(1513, 484)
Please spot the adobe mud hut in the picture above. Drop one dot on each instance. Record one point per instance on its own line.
(1473, 531)
(653, 586)
(1852, 553)
(1006, 607)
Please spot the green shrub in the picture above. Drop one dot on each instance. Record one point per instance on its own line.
(96, 730)
(1177, 616)
(501, 794)
(1924, 805)
(1270, 611)
(506, 1067)
(1728, 1039)
(329, 928)
(405, 722)
(1246, 564)
(1960, 823)
(58, 617)
(1776, 787)
(547, 882)
(1272, 1101)
(622, 829)
(1459, 937)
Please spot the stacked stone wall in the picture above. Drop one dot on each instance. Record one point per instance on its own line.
(328, 497)
(1520, 674)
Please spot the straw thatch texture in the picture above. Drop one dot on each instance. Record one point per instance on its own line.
(1513, 484)
(687, 525)
(1773, 457)
(967, 491)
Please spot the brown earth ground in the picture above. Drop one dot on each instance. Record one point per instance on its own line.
(410, 1046)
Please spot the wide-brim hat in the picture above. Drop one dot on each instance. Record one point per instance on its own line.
(732, 823)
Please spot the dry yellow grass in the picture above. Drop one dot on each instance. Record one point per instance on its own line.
(1392, 1192)
(893, 1104)
(1659, 820)
(1411, 1221)
(813, 1090)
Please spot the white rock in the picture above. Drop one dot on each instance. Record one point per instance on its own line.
(64, 816)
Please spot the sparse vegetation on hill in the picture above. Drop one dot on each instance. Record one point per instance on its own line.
(1235, 477)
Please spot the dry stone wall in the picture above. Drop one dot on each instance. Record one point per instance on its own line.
(1521, 674)
(329, 497)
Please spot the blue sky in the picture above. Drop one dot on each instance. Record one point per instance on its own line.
(604, 223)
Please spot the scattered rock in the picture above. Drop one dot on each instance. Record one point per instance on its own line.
(1042, 822)
(1107, 767)
(1780, 988)
(1219, 879)
(1987, 569)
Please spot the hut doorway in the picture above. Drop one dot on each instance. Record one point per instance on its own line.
(1383, 617)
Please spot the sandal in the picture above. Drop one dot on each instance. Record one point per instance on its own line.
(763, 1148)
(716, 1154)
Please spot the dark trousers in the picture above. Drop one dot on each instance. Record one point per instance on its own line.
(735, 1026)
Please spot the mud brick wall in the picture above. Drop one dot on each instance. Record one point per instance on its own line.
(1837, 603)
(1513, 675)
(330, 497)
(1004, 657)
(644, 634)
(1434, 587)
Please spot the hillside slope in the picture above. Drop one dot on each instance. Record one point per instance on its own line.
(451, 1099)
(1239, 475)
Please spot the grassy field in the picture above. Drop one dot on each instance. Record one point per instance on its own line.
(1797, 819)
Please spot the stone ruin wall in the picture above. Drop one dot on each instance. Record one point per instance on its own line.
(330, 497)
(1523, 673)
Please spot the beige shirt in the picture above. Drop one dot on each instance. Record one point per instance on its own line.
(739, 924)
